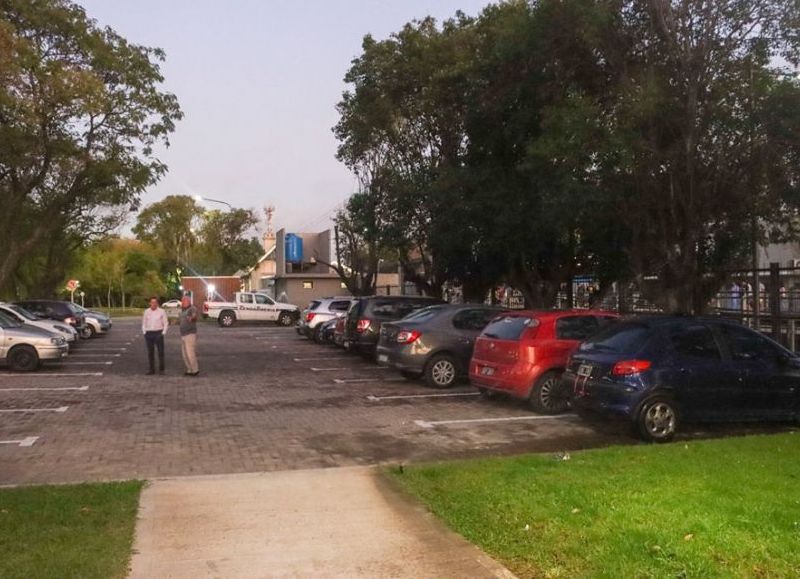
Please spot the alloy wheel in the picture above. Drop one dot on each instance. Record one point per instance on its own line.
(443, 372)
(660, 420)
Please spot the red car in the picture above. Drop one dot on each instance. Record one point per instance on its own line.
(524, 353)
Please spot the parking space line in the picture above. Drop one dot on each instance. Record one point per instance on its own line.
(109, 349)
(78, 388)
(86, 363)
(95, 355)
(362, 380)
(48, 374)
(28, 441)
(373, 398)
(59, 409)
(431, 424)
(342, 357)
(349, 368)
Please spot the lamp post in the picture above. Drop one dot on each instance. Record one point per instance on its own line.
(200, 199)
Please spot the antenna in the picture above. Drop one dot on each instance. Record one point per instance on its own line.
(269, 210)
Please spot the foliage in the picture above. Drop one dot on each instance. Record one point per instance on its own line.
(715, 508)
(631, 139)
(81, 111)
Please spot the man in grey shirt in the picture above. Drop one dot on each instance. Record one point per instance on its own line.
(188, 325)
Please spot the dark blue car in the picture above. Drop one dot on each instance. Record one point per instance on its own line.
(661, 371)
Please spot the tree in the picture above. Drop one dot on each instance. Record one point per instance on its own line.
(357, 244)
(224, 244)
(170, 225)
(80, 114)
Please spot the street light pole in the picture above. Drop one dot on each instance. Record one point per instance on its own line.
(200, 198)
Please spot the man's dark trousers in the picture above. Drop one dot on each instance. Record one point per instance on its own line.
(155, 340)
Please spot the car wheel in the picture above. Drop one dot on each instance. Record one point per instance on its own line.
(285, 320)
(546, 396)
(658, 420)
(23, 359)
(441, 372)
(227, 319)
(317, 335)
(89, 332)
(410, 376)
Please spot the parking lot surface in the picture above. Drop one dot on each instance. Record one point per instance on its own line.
(266, 400)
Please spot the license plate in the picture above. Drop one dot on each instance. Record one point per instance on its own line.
(585, 370)
(487, 371)
(383, 358)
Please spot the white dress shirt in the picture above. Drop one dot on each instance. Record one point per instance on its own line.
(155, 320)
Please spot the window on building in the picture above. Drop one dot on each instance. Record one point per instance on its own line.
(343, 285)
(308, 285)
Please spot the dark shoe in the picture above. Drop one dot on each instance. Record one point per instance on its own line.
(194, 373)
(150, 373)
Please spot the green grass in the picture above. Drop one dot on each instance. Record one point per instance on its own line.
(720, 508)
(120, 312)
(67, 531)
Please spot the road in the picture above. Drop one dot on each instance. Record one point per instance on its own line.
(266, 400)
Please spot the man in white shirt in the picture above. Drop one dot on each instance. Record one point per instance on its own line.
(154, 328)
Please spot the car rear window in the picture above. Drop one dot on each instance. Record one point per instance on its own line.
(314, 305)
(424, 314)
(509, 327)
(618, 339)
(576, 327)
(340, 306)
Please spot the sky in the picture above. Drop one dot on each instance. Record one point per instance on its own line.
(258, 82)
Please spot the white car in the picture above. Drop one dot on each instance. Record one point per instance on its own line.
(23, 347)
(22, 315)
(251, 307)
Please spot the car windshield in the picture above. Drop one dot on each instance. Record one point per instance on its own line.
(73, 308)
(7, 321)
(618, 339)
(24, 313)
(509, 327)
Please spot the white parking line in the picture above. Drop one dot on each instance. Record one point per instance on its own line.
(431, 424)
(70, 363)
(78, 388)
(49, 374)
(109, 349)
(374, 398)
(361, 380)
(29, 441)
(350, 368)
(323, 358)
(95, 355)
(59, 409)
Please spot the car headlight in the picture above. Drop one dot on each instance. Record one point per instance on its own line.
(57, 341)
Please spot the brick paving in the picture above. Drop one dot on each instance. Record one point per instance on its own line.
(253, 409)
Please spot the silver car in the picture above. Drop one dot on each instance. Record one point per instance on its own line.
(23, 347)
(320, 311)
(24, 316)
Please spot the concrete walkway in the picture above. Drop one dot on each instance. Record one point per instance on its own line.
(343, 522)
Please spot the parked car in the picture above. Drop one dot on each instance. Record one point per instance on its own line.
(320, 311)
(251, 307)
(22, 315)
(24, 347)
(659, 372)
(338, 331)
(524, 353)
(328, 330)
(97, 323)
(59, 310)
(435, 343)
(367, 314)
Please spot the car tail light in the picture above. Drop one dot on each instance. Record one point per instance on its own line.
(310, 316)
(630, 367)
(408, 336)
(363, 326)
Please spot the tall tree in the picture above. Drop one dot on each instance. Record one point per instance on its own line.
(80, 113)
(171, 225)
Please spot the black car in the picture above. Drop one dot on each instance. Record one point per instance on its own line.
(660, 371)
(367, 314)
(327, 331)
(60, 310)
(435, 342)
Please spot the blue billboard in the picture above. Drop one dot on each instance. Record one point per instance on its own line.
(294, 248)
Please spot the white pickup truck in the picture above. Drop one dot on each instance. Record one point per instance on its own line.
(251, 307)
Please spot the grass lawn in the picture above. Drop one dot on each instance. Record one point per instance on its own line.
(67, 531)
(718, 508)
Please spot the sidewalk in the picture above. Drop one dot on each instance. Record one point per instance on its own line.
(342, 522)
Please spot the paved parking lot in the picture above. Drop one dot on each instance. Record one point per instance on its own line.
(266, 400)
